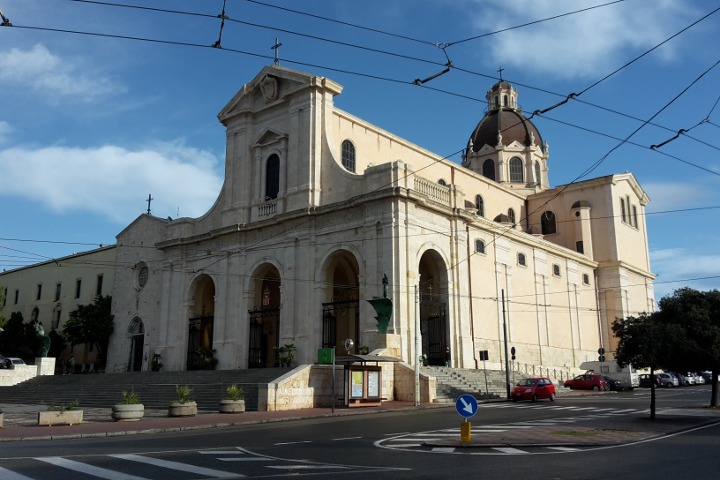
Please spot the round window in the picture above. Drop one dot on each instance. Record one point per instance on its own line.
(142, 274)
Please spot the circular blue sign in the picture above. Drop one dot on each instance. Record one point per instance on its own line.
(466, 405)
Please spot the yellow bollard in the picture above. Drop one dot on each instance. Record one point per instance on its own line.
(465, 431)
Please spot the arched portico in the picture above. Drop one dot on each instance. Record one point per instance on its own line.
(200, 324)
(340, 310)
(136, 334)
(264, 317)
(434, 327)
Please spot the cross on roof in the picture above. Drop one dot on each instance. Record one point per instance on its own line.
(276, 47)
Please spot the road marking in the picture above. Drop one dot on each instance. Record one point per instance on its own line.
(443, 449)
(183, 467)
(293, 443)
(88, 469)
(565, 449)
(9, 475)
(244, 459)
(345, 438)
(221, 452)
(510, 450)
(307, 467)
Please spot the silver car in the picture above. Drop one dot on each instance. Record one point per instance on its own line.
(668, 380)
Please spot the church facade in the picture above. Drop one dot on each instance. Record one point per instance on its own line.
(318, 206)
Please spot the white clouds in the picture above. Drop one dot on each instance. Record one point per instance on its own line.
(46, 73)
(5, 130)
(582, 45)
(675, 195)
(113, 181)
(678, 267)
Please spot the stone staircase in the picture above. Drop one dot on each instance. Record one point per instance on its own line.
(156, 389)
(453, 382)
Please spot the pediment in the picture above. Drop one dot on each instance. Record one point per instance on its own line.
(273, 84)
(268, 137)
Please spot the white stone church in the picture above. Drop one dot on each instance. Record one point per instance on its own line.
(318, 205)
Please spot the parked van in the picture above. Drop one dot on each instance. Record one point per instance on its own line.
(627, 375)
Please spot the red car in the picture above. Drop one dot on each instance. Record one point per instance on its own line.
(533, 389)
(587, 381)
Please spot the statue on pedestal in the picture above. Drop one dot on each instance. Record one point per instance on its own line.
(44, 339)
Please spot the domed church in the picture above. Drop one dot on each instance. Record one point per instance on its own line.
(318, 206)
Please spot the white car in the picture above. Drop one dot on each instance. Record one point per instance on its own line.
(12, 361)
(667, 380)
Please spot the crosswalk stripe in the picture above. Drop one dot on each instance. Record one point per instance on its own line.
(10, 475)
(565, 449)
(510, 450)
(183, 467)
(89, 469)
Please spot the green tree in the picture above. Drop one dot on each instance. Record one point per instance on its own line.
(645, 342)
(16, 338)
(92, 324)
(697, 315)
(2, 302)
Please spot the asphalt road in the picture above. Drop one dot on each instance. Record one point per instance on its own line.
(386, 446)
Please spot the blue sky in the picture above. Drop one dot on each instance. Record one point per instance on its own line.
(92, 124)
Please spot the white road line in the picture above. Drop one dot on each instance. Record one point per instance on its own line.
(293, 443)
(10, 475)
(510, 450)
(88, 469)
(183, 467)
(443, 449)
(244, 459)
(565, 449)
(345, 438)
(221, 452)
(407, 445)
(307, 467)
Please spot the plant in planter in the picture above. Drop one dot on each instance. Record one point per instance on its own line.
(184, 405)
(207, 360)
(129, 409)
(156, 362)
(234, 401)
(285, 355)
(59, 414)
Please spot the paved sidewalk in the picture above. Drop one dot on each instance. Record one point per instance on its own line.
(20, 424)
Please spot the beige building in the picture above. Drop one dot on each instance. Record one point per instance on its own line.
(318, 205)
(49, 291)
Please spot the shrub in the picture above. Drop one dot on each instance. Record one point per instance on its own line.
(183, 393)
(130, 397)
(235, 393)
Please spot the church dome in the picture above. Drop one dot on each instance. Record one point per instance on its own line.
(504, 118)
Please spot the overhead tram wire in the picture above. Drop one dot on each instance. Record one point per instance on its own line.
(435, 44)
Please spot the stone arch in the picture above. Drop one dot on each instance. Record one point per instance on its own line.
(434, 294)
(265, 295)
(340, 271)
(136, 336)
(201, 308)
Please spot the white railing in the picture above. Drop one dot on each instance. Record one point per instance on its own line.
(267, 209)
(434, 191)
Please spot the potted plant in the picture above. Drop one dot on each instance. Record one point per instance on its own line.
(69, 414)
(184, 405)
(285, 355)
(156, 363)
(206, 358)
(234, 401)
(129, 409)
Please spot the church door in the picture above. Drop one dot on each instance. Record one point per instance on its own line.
(264, 326)
(433, 328)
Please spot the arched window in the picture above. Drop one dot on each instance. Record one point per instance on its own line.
(511, 216)
(272, 177)
(442, 182)
(538, 178)
(348, 156)
(497, 101)
(521, 260)
(547, 223)
(505, 101)
(480, 205)
(479, 246)
(516, 170)
(488, 170)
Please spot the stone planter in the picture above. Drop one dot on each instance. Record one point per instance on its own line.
(232, 406)
(57, 417)
(128, 412)
(178, 409)
(2, 419)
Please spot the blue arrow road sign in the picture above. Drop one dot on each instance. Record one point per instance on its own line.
(466, 405)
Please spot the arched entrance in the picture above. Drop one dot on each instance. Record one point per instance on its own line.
(136, 333)
(341, 314)
(200, 325)
(264, 331)
(433, 308)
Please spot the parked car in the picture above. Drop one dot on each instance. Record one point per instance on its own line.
(534, 388)
(680, 379)
(587, 381)
(668, 380)
(699, 379)
(690, 378)
(612, 384)
(645, 380)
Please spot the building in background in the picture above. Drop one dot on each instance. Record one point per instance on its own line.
(318, 205)
(49, 291)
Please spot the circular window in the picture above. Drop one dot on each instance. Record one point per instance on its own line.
(142, 274)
